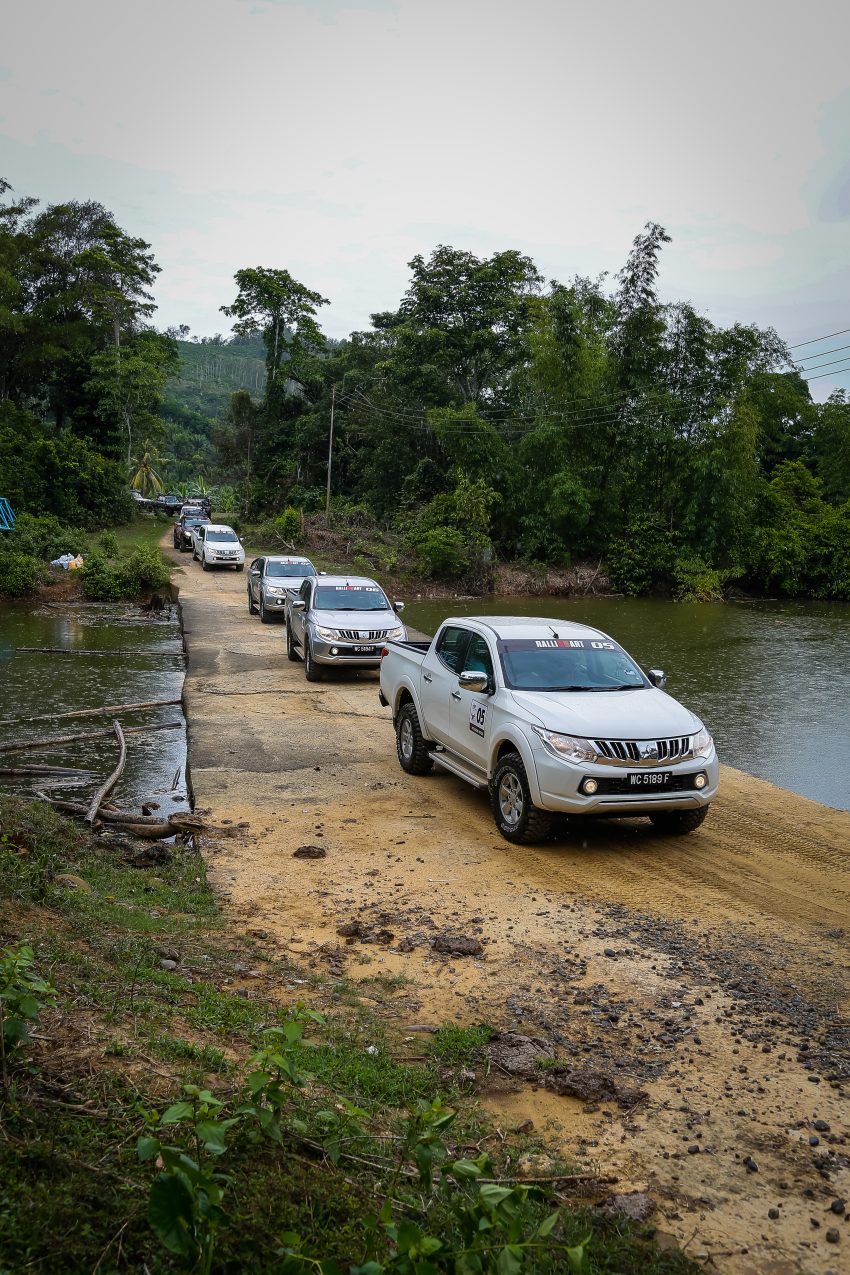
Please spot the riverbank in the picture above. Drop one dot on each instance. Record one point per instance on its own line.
(705, 978)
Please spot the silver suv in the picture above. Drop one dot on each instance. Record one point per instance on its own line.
(340, 620)
(270, 580)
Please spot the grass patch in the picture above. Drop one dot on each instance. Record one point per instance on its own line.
(118, 1047)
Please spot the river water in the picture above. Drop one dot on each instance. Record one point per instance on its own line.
(770, 679)
(129, 657)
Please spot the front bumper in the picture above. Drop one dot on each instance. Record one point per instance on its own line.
(342, 652)
(214, 560)
(273, 603)
(559, 786)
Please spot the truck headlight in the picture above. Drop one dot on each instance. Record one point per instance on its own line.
(273, 590)
(702, 743)
(567, 747)
(330, 635)
(396, 633)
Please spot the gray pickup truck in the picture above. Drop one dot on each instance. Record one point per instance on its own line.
(548, 716)
(341, 620)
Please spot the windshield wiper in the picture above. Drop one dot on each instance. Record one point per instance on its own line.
(627, 686)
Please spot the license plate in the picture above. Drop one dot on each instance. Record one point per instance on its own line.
(364, 650)
(650, 779)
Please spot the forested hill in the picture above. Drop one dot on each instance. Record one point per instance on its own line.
(211, 370)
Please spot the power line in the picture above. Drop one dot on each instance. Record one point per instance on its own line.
(821, 353)
(812, 368)
(839, 372)
(814, 340)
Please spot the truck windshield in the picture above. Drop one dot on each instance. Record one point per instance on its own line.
(300, 569)
(350, 597)
(222, 537)
(568, 664)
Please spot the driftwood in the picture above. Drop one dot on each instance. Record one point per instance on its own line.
(177, 824)
(42, 770)
(21, 744)
(91, 712)
(65, 650)
(106, 788)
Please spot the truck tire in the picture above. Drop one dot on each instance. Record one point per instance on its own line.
(240, 566)
(312, 670)
(252, 610)
(290, 645)
(265, 618)
(517, 818)
(677, 823)
(410, 744)
(206, 566)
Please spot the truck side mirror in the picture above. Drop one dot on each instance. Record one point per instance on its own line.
(398, 607)
(298, 604)
(657, 677)
(473, 680)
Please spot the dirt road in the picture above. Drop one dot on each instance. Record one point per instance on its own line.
(683, 1001)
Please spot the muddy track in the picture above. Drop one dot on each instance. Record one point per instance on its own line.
(707, 974)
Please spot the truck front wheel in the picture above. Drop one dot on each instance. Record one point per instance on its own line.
(411, 745)
(677, 823)
(517, 818)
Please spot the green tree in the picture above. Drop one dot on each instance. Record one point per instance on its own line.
(283, 310)
(129, 382)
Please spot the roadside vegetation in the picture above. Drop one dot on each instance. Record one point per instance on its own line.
(174, 1095)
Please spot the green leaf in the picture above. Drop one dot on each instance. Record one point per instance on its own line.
(147, 1148)
(548, 1224)
(171, 1214)
(212, 1133)
(465, 1169)
(176, 1112)
(507, 1262)
(491, 1196)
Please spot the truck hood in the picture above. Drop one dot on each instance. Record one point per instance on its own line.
(361, 621)
(632, 714)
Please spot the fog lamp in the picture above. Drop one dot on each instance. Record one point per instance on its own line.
(334, 650)
(700, 781)
(589, 787)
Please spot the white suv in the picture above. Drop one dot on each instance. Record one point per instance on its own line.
(217, 545)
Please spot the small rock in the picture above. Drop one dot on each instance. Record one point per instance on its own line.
(168, 954)
(694, 1150)
(814, 1140)
(636, 1205)
(310, 852)
(750, 1164)
(832, 1235)
(837, 1207)
(773, 1214)
(457, 945)
(534, 1166)
(821, 1126)
(527, 1126)
(609, 951)
(168, 965)
(421, 1027)
(70, 882)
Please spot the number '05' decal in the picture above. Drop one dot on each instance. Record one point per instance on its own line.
(477, 717)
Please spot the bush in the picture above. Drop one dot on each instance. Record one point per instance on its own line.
(443, 553)
(19, 574)
(288, 524)
(109, 544)
(44, 537)
(695, 581)
(643, 558)
(143, 569)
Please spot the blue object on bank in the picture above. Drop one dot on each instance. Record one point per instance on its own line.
(7, 517)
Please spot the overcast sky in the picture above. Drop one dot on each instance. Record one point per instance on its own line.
(337, 138)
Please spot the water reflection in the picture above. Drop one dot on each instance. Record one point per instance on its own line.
(769, 678)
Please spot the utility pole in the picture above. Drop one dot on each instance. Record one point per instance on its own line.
(330, 453)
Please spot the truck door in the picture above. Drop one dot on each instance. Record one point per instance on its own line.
(299, 618)
(440, 671)
(470, 711)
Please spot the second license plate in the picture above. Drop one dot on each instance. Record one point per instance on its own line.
(650, 779)
(363, 650)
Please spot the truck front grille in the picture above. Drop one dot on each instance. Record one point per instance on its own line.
(642, 752)
(368, 635)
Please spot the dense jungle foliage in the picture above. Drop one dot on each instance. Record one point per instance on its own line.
(492, 415)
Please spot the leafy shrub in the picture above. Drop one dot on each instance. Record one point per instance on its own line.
(143, 569)
(44, 537)
(19, 574)
(288, 524)
(443, 553)
(109, 544)
(23, 995)
(643, 558)
(695, 581)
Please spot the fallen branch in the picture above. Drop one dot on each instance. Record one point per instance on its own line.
(106, 788)
(21, 744)
(91, 712)
(66, 650)
(42, 770)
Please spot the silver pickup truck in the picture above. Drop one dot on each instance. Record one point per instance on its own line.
(549, 716)
(340, 620)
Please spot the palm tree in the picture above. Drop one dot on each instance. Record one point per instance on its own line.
(145, 478)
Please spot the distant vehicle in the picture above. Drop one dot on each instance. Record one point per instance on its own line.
(183, 528)
(171, 504)
(548, 716)
(197, 502)
(269, 581)
(215, 544)
(141, 500)
(340, 620)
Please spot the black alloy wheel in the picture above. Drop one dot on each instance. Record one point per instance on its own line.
(290, 645)
(205, 565)
(265, 618)
(252, 609)
(312, 671)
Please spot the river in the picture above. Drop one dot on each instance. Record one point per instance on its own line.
(770, 679)
(129, 657)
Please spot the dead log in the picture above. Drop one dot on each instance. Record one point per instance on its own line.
(66, 650)
(92, 712)
(123, 821)
(21, 744)
(106, 788)
(42, 770)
